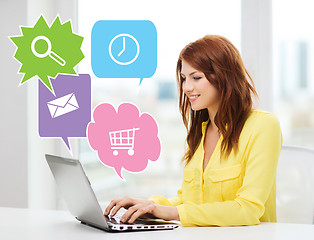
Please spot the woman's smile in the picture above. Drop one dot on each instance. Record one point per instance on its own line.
(193, 98)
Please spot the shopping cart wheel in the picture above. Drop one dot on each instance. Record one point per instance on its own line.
(115, 152)
(131, 152)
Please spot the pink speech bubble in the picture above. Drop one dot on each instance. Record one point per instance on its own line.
(124, 138)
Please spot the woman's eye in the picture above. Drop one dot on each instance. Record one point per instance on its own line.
(182, 78)
(197, 78)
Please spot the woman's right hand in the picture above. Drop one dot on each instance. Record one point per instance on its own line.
(125, 202)
(136, 208)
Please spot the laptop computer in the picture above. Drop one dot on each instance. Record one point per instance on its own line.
(82, 202)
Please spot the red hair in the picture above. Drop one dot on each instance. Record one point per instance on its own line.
(216, 55)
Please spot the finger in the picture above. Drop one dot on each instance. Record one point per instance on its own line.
(129, 213)
(124, 202)
(137, 214)
(111, 205)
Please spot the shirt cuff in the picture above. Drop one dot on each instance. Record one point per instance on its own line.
(182, 214)
(159, 199)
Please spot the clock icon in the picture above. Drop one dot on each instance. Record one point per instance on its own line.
(124, 49)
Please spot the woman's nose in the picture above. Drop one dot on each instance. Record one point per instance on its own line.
(187, 86)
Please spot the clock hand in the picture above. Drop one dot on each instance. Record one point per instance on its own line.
(123, 47)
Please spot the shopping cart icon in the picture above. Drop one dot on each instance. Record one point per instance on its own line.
(123, 139)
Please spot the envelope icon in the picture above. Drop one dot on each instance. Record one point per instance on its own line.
(63, 105)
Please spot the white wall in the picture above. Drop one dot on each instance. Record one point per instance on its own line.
(13, 107)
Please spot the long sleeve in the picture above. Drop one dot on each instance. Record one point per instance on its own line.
(259, 179)
(175, 201)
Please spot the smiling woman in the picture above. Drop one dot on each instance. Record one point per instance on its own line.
(224, 86)
(233, 149)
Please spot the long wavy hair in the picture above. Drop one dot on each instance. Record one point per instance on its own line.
(216, 55)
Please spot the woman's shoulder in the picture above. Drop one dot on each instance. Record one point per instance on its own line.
(259, 119)
(258, 114)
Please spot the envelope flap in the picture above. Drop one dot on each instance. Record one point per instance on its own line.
(73, 101)
(62, 101)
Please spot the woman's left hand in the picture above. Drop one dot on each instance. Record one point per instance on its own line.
(138, 207)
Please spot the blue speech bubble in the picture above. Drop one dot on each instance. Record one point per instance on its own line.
(124, 49)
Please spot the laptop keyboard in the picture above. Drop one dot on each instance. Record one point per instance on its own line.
(116, 218)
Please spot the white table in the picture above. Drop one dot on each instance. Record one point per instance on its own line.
(27, 224)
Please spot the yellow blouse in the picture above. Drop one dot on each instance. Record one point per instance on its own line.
(239, 190)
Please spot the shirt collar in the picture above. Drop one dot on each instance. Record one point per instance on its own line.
(204, 126)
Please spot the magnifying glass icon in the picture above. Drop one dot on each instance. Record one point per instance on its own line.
(49, 53)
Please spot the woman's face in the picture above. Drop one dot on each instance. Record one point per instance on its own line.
(200, 92)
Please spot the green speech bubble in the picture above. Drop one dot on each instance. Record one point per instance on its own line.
(47, 51)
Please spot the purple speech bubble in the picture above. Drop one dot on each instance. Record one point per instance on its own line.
(124, 138)
(68, 112)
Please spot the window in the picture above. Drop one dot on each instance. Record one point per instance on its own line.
(293, 78)
(177, 23)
